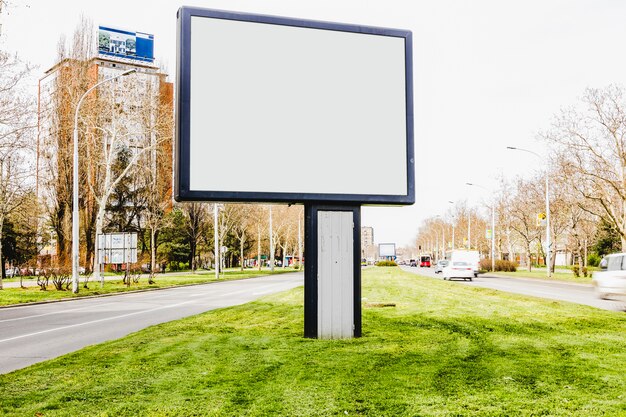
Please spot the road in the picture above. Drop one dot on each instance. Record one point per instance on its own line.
(31, 334)
(554, 290)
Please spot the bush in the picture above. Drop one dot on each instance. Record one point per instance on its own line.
(505, 266)
(593, 259)
(585, 272)
(576, 270)
(386, 263)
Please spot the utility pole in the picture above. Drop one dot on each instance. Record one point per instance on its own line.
(271, 243)
(216, 243)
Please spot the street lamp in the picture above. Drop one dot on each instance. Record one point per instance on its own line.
(469, 228)
(443, 238)
(75, 227)
(493, 228)
(548, 264)
(453, 225)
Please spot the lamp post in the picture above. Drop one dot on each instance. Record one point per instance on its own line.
(443, 239)
(548, 257)
(493, 228)
(469, 226)
(75, 226)
(216, 240)
(453, 225)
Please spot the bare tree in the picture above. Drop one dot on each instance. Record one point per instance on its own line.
(522, 217)
(197, 217)
(243, 227)
(590, 142)
(16, 127)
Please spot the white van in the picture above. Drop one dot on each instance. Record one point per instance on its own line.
(470, 256)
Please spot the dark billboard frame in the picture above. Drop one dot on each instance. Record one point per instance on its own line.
(182, 191)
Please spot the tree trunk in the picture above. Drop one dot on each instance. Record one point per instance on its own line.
(241, 252)
(258, 247)
(96, 262)
(1, 257)
(192, 256)
(152, 252)
(272, 243)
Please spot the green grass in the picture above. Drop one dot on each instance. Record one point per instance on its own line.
(10, 296)
(541, 273)
(444, 350)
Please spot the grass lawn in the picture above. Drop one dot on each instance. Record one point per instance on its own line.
(444, 350)
(541, 273)
(30, 294)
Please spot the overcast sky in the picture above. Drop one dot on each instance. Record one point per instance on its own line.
(487, 74)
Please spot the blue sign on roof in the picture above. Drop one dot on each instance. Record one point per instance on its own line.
(124, 44)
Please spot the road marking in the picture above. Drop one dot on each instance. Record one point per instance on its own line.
(55, 312)
(94, 321)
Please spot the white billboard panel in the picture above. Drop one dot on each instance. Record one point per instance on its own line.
(387, 250)
(117, 248)
(275, 109)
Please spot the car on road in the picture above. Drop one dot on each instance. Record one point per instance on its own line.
(424, 261)
(610, 281)
(471, 256)
(458, 269)
(412, 262)
(442, 263)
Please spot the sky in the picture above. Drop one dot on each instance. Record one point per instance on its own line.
(487, 74)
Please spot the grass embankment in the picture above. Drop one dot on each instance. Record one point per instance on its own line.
(445, 350)
(10, 296)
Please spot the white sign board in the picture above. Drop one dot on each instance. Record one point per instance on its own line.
(117, 248)
(329, 104)
(387, 250)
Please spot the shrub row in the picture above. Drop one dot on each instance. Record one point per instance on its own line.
(505, 266)
(577, 271)
(386, 263)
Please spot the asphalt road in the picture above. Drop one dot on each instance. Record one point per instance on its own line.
(31, 334)
(554, 290)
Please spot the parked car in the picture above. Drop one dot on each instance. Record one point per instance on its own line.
(610, 281)
(412, 262)
(12, 272)
(442, 263)
(458, 269)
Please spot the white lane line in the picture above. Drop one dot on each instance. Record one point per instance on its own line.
(268, 289)
(93, 321)
(54, 312)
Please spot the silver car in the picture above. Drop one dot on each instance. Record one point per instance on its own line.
(442, 263)
(611, 280)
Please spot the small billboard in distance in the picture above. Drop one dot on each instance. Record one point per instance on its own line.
(387, 250)
(124, 44)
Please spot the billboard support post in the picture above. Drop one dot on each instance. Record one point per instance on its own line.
(332, 271)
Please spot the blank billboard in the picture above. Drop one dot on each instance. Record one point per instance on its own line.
(276, 109)
(386, 250)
